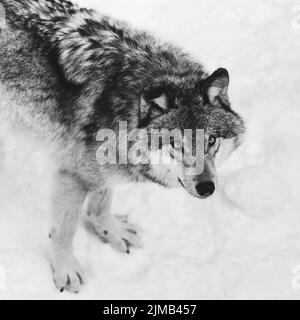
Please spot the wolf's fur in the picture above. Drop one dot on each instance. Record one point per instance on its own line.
(66, 72)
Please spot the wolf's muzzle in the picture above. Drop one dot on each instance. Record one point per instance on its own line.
(205, 188)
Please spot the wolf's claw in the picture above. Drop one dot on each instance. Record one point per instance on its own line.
(121, 234)
(67, 274)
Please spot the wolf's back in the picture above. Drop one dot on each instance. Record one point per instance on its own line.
(40, 16)
(44, 10)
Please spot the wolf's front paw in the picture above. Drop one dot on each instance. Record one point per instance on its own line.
(67, 273)
(121, 234)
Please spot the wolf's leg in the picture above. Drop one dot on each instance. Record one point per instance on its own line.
(68, 197)
(113, 229)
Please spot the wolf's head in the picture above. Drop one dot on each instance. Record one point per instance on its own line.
(187, 103)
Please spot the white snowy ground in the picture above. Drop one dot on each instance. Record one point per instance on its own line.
(244, 242)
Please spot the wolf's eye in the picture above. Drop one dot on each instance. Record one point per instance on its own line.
(175, 144)
(212, 140)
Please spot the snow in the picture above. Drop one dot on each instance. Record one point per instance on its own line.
(258, 190)
(244, 242)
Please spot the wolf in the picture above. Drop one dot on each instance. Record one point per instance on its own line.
(65, 73)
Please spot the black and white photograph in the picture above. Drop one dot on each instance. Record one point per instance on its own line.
(149, 150)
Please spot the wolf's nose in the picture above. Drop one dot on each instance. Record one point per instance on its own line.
(205, 189)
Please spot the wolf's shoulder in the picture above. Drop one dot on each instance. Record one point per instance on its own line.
(22, 59)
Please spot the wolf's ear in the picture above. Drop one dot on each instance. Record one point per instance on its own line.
(152, 107)
(215, 88)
